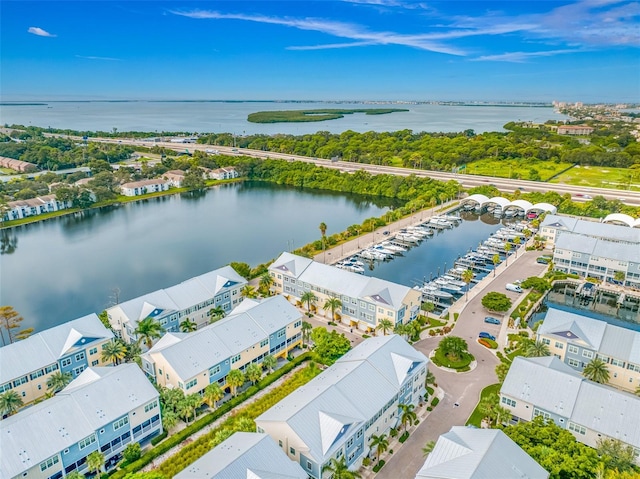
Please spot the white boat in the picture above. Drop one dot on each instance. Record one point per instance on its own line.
(407, 238)
(393, 247)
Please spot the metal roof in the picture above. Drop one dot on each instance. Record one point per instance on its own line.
(470, 453)
(599, 247)
(593, 228)
(97, 397)
(45, 348)
(244, 455)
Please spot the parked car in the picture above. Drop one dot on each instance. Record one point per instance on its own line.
(513, 287)
(491, 320)
(485, 335)
(543, 260)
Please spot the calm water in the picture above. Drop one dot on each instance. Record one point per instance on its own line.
(232, 117)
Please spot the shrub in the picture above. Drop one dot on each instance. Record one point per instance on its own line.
(365, 336)
(435, 402)
(366, 461)
(390, 451)
(429, 408)
(430, 390)
(455, 316)
(393, 432)
(404, 436)
(332, 323)
(378, 466)
(159, 438)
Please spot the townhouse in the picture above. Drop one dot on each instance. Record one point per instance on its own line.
(553, 226)
(244, 455)
(195, 299)
(470, 453)
(17, 165)
(549, 388)
(34, 206)
(254, 330)
(25, 366)
(577, 339)
(104, 409)
(174, 178)
(336, 413)
(142, 187)
(226, 173)
(365, 300)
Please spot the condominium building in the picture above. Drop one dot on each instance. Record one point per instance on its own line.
(25, 366)
(553, 226)
(255, 329)
(577, 339)
(104, 409)
(549, 388)
(365, 301)
(336, 413)
(142, 187)
(194, 299)
(20, 209)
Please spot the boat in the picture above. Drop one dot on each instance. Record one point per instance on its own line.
(407, 238)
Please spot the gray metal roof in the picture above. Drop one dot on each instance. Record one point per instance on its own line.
(45, 348)
(599, 247)
(245, 455)
(573, 328)
(592, 228)
(324, 412)
(470, 453)
(97, 397)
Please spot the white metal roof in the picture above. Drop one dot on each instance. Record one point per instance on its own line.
(621, 218)
(612, 232)
(522, 204)
(545, 207)
(598, 247)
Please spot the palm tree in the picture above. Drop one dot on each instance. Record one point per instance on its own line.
(467, 276)
(114, 351)
(428, 307)
(453, 347)
(266, 280)
(253, 373)
(323, 232)
(516, 241)
(407, 415)
(188, 326)
(270, 362)
(430, 379)
(95, 461)
(169, 420)
(217, 313)
(309, 298)
(536, 349)
(400, 329)
(306, 332)
(496, 261)
(133, 354)
(507, 248)
(596, 371)
(385, 325)
(10, 402)
(428, 448)
(148, 329)
(249, 291)
(212, 394)
(332, 303)
(619, 276)
(58, 381)
(194, 401)
(338, 469)
(235, 379)
(380, 443)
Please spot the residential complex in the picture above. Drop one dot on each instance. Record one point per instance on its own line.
(174, 178)
(19, 209)
(71, 347)
(553, 226)
(365, 301)
(226, 173)
(17, 165)
(549, 388)
(336, 413)
(470, 453)
(245, 455)
(192, 361)
(194, 299)
(103, 410)
(142, 187)
(576, 340)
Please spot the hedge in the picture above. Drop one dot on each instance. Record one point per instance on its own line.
(435, 402)
(378, 466)
(404, 437)
(488, 343)
(430, 390)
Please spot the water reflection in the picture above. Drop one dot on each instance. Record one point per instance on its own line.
(8, 242)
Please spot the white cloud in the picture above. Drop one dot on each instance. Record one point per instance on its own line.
(40, 32)
(99, 58)
(523, 57)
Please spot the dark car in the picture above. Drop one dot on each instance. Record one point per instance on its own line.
(485, 335)
(491, 320)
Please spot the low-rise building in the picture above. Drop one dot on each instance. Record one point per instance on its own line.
(142, 187)
(575, 130)
(470, 453)
(553, 226)
(549, 388)
(245, 455)
(226, 173)
(577, 339)
(255, 329)
(195, 299)
(365, 300)
(17, 165)
(335, 414)
(104, 409)
(174, 177)
(25, 366)
(35, 206)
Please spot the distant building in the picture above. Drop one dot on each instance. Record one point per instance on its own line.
(35, 206)
(142, 187)
(245, 455)
(17, 165)
(470, 453)
(555, 225)
(193, 299)
(575, 130)
(102, 410)
(174, 177)
(225, 173)
(70, 347)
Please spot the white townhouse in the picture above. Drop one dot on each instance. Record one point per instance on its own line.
(245, 455)
(365, 300)
(471, 453)
(226, 173)
(194, 299)
(142, 187)
(549, 388)
(174, 178)
(25, 366)
(255, 329)
(577, 339)
(104, 409)
(336, 413)
(554, 226)
(35, 206)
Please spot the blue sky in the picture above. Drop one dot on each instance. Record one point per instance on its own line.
(327, 50)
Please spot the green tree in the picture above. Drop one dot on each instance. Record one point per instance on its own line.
(507, 248)
(253, 373)
(430, 379)
(337, 469)
(114, 351)
(428, 307)
(212, 394)
(216, 313)
(169, 420)
(306, 331)
(133, 354)
(400, 329)
(95, 462)
(407, 415)
(596, 370)
(147, 330)
(235, 379)
(453, 347)
(309, 298)
(188, 326)
(243, 269)
(9, 321)
(495, 301)
(323, 232)
(540, 285)
(249, 291)
(502, 369)
(489, 406)
(193, 179)
(496, 261)
(536, 349)
(58, 381)
(385, 325)
(616, 455)
(332, 303)
(132, 452)
(329, 346)
(428, 448)
(467, 276)
(10, 402)
(269, 362)
(380, 444)
(620, 276)
(266, 281)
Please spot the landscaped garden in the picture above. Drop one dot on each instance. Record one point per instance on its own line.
(453, 353)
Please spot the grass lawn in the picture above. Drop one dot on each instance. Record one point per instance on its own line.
(602, 177)
(520, 168)
(476, 418)
(435, 323)
(460, 365)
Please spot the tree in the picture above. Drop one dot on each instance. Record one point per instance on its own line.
(507, 248)
(95, 461)
(430, 379)
(496, 262)
(428, 448)
(217, 313)
(502, 369)
(9, 321)
(132, 452)
(253, 373)
(329, 346)
(332, 303)
(619, 276)
(193, 179)
(235, 379)
(385, 325)
(309, 298)
(616, 455)
(323, 232)
(169, 420)
(269, 362)
(58, 381)
(10, 402)
(428, 307)
(337, 469)
(114, 351)
(536, 349)
(380, 444)
(306, 331)
(495, 301)
(453, 347)
(400, 329)
(133, 354)
(243, 269)
(407, 414)
(266, 280)
(537, 284)
(489, 407)
(249, 291)
(148, 329)
(467, 276)
(188, 326)
(212, 394)
(596, 371)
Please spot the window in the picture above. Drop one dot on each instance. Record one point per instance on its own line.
(573, 349)
(191, 383)
(78, 370)
(587, 354)
(86, 442)
(538, 412)
(48, 463)
(281, 334)
(297, 324)
(80, 356)
(93, 350)
(309, 465)
(264, 342)
(574, 363)
(577, 428)
(350, 442)
(150, 406)
(213, 371)
(66, 362)
(633, 367)
(292, 451)
(94, 363)
(546, 341)
(120, 423)
(235, 359)
(279, 443)
(559, 345)
(508, 402)
(617, 362)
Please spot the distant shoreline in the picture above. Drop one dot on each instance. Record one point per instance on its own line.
(301, 116)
